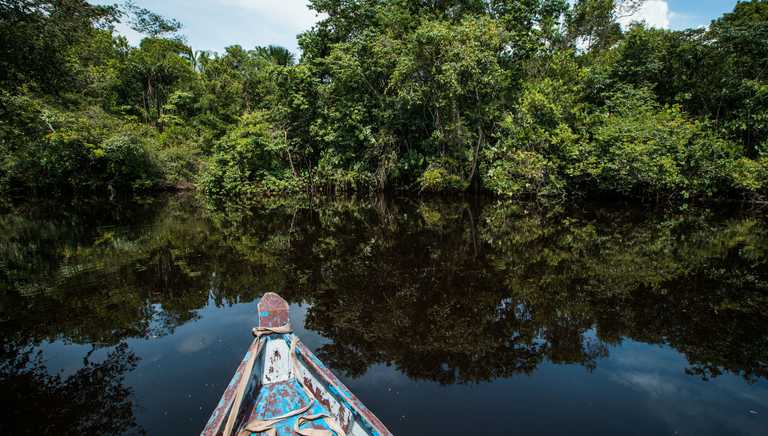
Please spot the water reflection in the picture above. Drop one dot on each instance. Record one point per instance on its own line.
(94, 400)
(449, 292)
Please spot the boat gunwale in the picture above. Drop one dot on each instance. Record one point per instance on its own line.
(340, 391)
(215, 424)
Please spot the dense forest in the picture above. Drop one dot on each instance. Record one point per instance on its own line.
(544, 98)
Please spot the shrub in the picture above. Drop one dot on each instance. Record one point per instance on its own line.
(247, 161)
(523, 172)
(439, 179)
(333, 176)
(129, 167)
(533, 142)
(750, 175)
(180, 163)
(641, 148)
(50, 151)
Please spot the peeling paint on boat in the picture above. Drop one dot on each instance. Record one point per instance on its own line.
(274, 387)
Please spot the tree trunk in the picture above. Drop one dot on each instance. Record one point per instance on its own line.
(158, 106)
(480, 140)
(290, 159)
(150, 92)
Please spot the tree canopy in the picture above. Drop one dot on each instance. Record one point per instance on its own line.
(545, 98)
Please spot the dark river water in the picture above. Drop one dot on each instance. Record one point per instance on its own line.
(445, 317)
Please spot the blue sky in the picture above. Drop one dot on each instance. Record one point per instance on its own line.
(215, 24)
(683, 14)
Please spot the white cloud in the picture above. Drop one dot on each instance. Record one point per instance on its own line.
(288, 14)
(133, 37)
(195, 343)
(652, 384)
(681, 21)
(654, 13)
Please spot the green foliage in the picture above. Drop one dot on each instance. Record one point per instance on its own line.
(180, 163)
(438, 179)
(750, 175)
(522, 171)
(542, 98)
(129, 166)
(719, 73)
(593, 23)
(642, 148)
(147, 22)
(453, 71)
(537, 143)
(50, 151)
(40, 41)
(154, 69)
(248, 161)
(332, 176)
(276, 55)
(119, 162)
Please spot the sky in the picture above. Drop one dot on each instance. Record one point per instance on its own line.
(215, 24)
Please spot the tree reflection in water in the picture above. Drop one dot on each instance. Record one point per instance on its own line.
(470, 296)
(453, 292)
(91, 401)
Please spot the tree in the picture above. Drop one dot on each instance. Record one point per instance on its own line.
(38, 39)
(453, 74)
(150, 23)
(739, 43)
(276, 55)
(151, 73)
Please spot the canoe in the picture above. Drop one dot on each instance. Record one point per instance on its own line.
(281, 388)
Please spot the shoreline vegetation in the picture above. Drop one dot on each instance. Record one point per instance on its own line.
(545, 99)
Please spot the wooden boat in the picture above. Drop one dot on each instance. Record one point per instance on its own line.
(281, 388)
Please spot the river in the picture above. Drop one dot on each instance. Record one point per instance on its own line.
(470, 316)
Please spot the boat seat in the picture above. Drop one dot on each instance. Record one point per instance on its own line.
(279, 398)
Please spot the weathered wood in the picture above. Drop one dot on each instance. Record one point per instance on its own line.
(287, 377)
(273, 311)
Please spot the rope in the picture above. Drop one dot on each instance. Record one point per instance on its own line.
(331, 421)
(263, 331)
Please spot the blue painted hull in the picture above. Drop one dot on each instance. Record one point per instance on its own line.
(281, 384)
